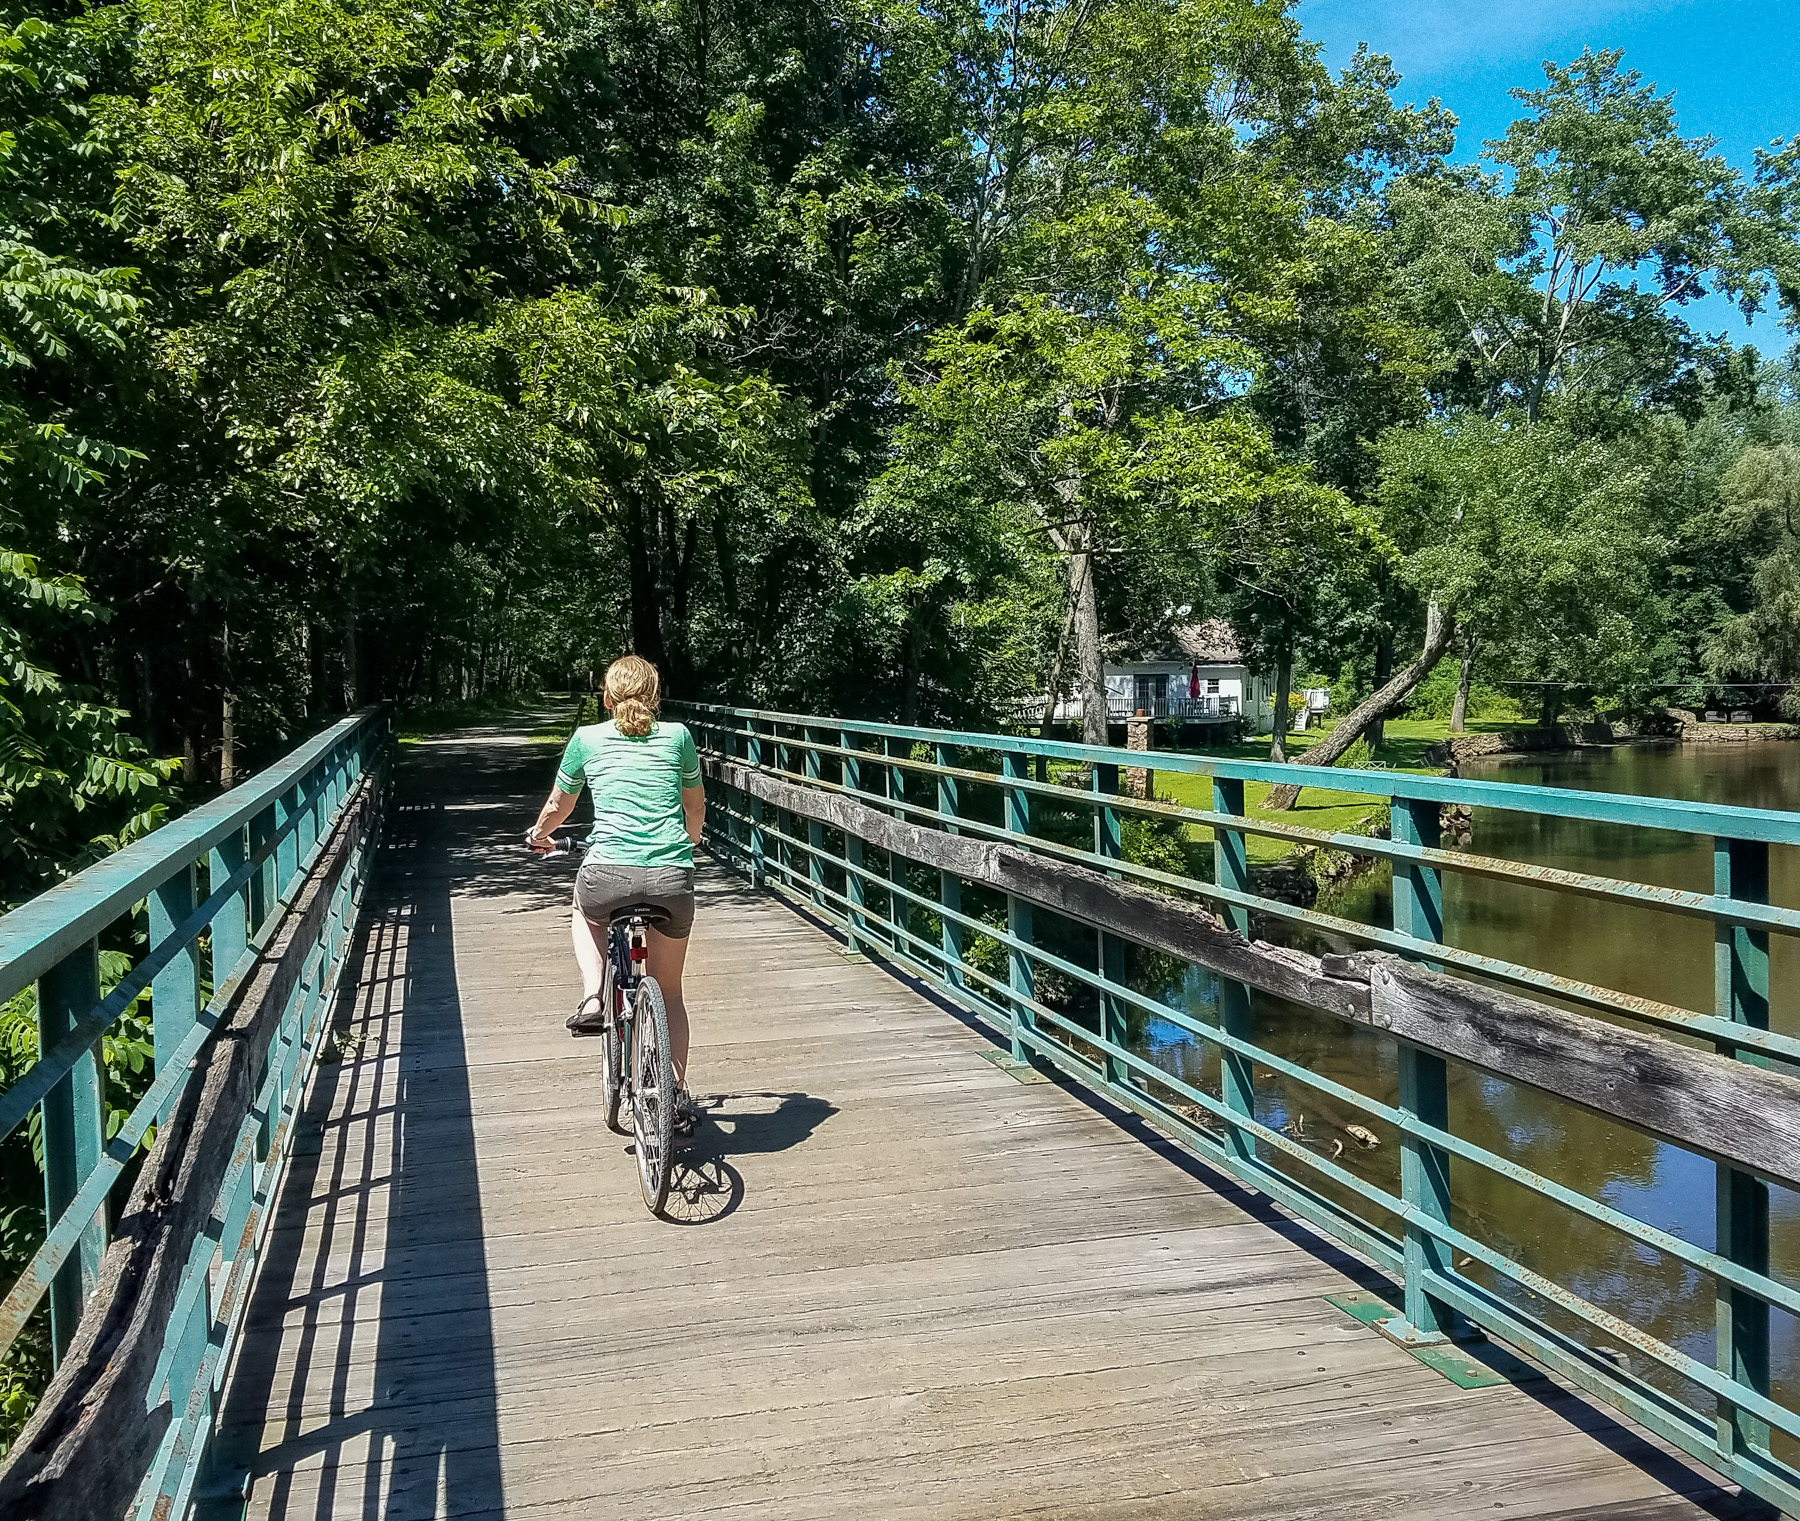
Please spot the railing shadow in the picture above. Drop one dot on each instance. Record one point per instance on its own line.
(367, 1386)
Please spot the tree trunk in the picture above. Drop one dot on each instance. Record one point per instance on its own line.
(227, 717)
(909, 673)
(646, 613)
(1053, 681)
(1090, 662)
(1384, 671)
(1284, 683)
(1459, 710)
(1550, 705)
(1440, 629)
(352, 659)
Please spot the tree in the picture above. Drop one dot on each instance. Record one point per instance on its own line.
(1761, 506)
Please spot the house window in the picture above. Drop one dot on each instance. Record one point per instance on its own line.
(1212, 686)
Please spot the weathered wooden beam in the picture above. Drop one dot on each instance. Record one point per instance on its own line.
(1152, 919)
(1742, 1114)
(91, 1441)
(1748, 1116)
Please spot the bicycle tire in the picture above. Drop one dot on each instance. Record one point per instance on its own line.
(612, 1068)
(652, 1095)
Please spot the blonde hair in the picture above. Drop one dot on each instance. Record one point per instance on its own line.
(633, 691)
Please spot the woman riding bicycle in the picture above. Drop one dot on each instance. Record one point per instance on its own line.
(648, 809)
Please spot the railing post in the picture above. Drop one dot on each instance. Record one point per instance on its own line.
(949, 884)
(1110, 948)
(1424, 1089)
(753, 755)
(1021, 974)
(815, 831)
(1741, 994)
(288, 850)
(265, 884)
(899, 915)
(232, 923)
(1231, 868)
(853, 846)
(175, 990)
(74, 1119)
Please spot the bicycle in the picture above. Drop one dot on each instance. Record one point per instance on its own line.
(634, 1043)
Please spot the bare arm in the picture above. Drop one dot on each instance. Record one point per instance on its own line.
(693, 809)
(557, 807)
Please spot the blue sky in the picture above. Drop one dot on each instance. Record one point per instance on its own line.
(1734, 66)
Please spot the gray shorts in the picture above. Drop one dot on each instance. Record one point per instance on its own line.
(601, 887)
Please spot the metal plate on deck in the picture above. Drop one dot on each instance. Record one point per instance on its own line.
(1024, 1072)
(1475, 1365)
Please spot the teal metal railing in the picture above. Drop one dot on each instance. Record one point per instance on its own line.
(798, 801)
(219, 888)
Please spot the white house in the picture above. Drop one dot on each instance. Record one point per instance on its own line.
(1201, 678)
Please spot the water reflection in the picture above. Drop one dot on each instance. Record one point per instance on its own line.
(1639, 951)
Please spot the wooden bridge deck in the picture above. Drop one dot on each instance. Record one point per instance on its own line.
(913, 1286)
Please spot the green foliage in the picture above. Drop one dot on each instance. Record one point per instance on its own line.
(74, 784)
(1761, 508)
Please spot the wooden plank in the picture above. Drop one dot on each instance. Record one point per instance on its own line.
(1151, 919)
(1728, 1110)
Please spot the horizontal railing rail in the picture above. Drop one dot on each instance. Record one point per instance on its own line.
(248, 903)
(885, 830)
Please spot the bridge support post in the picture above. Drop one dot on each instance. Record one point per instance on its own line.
(288, 849)
(949, 884)
(231, 925)
(853, 847)
(1021, 975)
(74, 1120)
(265, 885)
(1231, 868)
(1424, 1095)
(175, 990)
(1110, 949)
(815, 831)
(784, 823)
(753, 754)
(897, 865)
(1741, 994)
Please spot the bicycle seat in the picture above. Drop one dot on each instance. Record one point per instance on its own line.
(650, 913)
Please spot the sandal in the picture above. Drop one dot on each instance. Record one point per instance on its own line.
(687, 1113)
(581, 1022)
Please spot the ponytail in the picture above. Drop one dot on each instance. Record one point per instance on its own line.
(633, 693)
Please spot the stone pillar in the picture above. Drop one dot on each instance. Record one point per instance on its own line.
(1140, 734)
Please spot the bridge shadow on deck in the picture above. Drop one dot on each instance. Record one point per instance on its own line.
(375, 1286)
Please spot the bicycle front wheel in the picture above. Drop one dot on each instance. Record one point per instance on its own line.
(652, 1094)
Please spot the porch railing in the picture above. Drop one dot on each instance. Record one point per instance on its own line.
(993, 866)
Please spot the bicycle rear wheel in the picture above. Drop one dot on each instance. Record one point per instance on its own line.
(652, 1094)
(612, 1055)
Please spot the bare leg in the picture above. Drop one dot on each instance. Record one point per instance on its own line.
(667, 957)
(590, 952)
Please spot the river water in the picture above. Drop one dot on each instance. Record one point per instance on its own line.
(1657, 955)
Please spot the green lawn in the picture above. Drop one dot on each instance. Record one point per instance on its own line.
(1403, 749)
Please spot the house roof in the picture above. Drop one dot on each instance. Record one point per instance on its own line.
(1208, 643)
